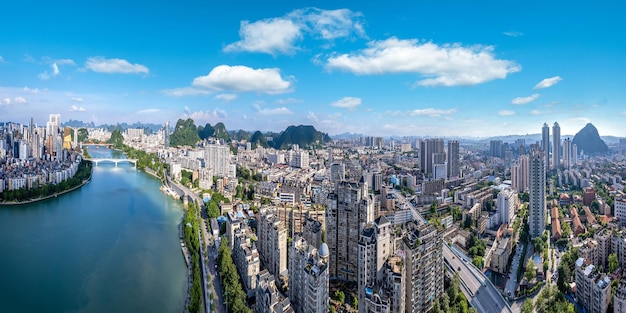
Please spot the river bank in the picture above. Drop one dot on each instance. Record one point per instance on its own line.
(29, 201)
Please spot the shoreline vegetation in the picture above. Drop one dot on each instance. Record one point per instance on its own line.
(48, 191)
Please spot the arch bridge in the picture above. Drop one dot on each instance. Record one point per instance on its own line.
(96, 161)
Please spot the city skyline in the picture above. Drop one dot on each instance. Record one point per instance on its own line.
(338, 66)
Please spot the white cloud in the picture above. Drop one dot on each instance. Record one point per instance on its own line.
(26, 89)
(185, 91)
(537, 112)
(243, 79)
(201, 117)
(19, 100)
(65, 62)
(548, 82)
(109, 66)
(1, 59)
(513, 34)
(441, 65)
(75, 108)
(525, 100)
(6, 101)
(226, 97)
(47, 75)
(77, 99)
(273, 111)
(272, 36)
(431, 112)
(148, 111)
(279, 35)
(312, 116)
(506, 113)
(287, 101)
(349, 103)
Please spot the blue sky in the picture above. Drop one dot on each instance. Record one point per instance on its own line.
(425, 68)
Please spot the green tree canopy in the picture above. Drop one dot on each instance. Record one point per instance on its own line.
(185, 133)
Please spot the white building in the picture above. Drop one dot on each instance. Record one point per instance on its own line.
(308, 277)
(507, 203)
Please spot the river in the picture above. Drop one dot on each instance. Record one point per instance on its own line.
(110, 246)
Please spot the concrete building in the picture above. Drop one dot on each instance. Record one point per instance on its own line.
(619, 300)
(603, 238)
(500, 257)
(589, 252)
(556, 146)
(545, 144)
(268, 298)
(593, 290)
(272, 242)
(134, 134)
(537, 205)
(422, 246)
(428, 148)
(374, 250)
(349, 209)
(620, 210)
(507, 203)
(246, 259)
(217, 158)
(308, 277)
(453, 159)
(520, 174)
(567, 154)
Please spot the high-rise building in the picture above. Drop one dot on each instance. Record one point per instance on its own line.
(507, 202)
(537, 187)
(619, 300)
(556, 146)
(308, 277)
(496, 149)
(545, 144)
(217, 158)
(453, 159)
(166, 135)
(567, 154)
(519, 174)
(423, 257)
(268, 297)
(593, 290)
(272, 241)
(428, 148)
(349, 209)
(575, 155)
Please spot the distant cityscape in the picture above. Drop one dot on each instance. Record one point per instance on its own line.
(373, 224)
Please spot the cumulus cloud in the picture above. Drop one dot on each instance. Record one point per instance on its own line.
(77, 99)
(349, 103)
(431, 112)
(312, 116)
(287, 101)
(279, 35)
(19, 100)
(1, 59)
(243, 79)
(6, 101)
(440, 65)
(537, 112)
(110, 66)
(75, 108)
(272, 111)
(506, 113)
(54, 72)
(206, 116)
(525, 100)
(65, 62)
(31, 90)
(548, 82)
(226, 97)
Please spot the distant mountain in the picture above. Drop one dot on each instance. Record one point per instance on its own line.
(258, 139)
(589, 142)
(75, 123)
(205, 131)
(221, 132)
(346, 136)
(305, 136)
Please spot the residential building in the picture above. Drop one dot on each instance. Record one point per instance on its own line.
(537, 205)
(507, 203)
(619, 300)
(217, 158)
(500, 257)
(272, 242)
(422, 246)
(349, 209)
(453, 159)
(620, 210)
(374, 250)
(556, 146)
(545, 145)
(520, 174)
(308, 277)
(593, 290)
(268, 297)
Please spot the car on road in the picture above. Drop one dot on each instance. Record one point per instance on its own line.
(458, 268)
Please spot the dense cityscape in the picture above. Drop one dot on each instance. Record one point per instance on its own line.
(368, 224)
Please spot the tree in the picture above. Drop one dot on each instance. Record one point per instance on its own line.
(340, 296)
(355, 302)
(613, 263)
(478, 262)
(527, 307)
(468, 222)
(453, 290)
(563, 280)
(530, 273)
(433, 207)
(595, 206)
(185, 133)
(456, 213)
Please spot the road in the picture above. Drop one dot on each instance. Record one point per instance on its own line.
(484, 296)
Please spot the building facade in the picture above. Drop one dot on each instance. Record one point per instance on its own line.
(537, 187)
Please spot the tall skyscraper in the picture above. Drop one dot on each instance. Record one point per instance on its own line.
(556, 146)
(350, 208)
(567, 153)
(166, 135)
(537, 206)
(428, 148)
(545, 144)
(453, 159)
(519, 174)
(308, 277)
(53, 125)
